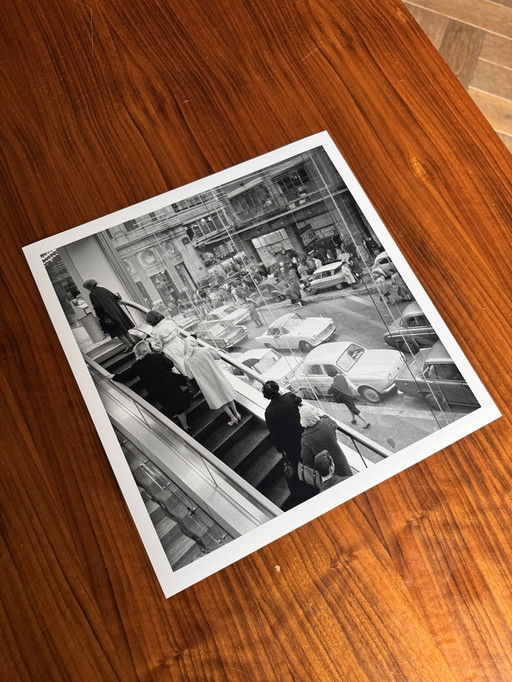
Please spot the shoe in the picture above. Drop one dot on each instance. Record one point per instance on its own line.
(238, 416)
(353, 421)
(367, 426)
(232, 422)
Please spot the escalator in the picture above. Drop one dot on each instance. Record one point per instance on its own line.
(246, 447)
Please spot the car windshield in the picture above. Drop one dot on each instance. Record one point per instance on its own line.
(349, 357)
(291, 324)
(229, 309)
(266, 362)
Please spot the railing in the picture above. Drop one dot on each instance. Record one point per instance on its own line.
(236, 504)
(349, 436)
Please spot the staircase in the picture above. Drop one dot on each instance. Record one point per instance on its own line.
(245, 448)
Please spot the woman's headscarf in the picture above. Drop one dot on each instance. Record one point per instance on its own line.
(190, 346)
(309, 415)
(141, 349)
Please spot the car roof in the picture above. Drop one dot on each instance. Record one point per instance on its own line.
(328, 352)
(256, 353)
(438, 353)
(412, 309)
(329, 266)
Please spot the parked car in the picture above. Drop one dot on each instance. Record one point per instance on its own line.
(271, 291)
(229, 313)
(412, 331)
(436, 378)
(269, 363)
(187, 322)
(327, 277)
(221, 334)
(372, 371)
(384, 263)
(291, 331)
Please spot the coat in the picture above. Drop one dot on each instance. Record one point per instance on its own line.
(106, 306)
(212, 381)
(161, 383)
(283, 423)
(165, 336)
(322, 436)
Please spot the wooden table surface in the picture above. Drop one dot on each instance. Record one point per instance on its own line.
(108, 103)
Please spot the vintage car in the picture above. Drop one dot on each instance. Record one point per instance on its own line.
(229, 313)
(436, 378)
(372, 371)
(327, 277)
(269, 364)
(221, 334)
(270, 290)
(291, 331)
(188, 323)
(412, 331)
(384, 264)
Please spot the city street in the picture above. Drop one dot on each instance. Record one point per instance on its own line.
(399, 420)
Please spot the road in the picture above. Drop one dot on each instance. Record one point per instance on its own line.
(399, 420)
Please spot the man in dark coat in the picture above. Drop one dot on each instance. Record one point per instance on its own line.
(113, 320)
(283, 422)
(164, 386)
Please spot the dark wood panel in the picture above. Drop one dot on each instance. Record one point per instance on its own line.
(106, 104)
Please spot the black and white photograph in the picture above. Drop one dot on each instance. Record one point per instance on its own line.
(254, 350)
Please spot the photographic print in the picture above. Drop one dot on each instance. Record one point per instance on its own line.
(254, 350)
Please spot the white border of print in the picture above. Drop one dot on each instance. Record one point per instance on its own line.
(173, 582)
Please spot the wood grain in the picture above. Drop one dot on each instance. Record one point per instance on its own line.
(109, 103)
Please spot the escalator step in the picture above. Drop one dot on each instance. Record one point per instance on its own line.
(265, 469)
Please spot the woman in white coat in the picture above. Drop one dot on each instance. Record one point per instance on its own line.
(165, 336)
(218, 392)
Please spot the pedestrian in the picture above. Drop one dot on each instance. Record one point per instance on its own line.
(283, 422)
(324, 464)
(382, 285)
(214, 384)
(342, 390)
(320, 434)
(294, 292)
(254, 312)
(348, 275)
(165, 337)
(164, 386)
(401, 288)
(112, 318)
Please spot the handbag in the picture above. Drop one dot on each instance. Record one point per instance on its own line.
(308, 475)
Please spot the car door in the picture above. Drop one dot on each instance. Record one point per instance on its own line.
(275, 337)
(318, 379)
(421, 331)
(446, 380)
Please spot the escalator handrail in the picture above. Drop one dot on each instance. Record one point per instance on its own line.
(342, 428)
(260, 500)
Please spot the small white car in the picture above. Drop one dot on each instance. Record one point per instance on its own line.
(229, 313)
(383, 263)
(291, 331)
(372, 371)
(269, 364)
(327, 277)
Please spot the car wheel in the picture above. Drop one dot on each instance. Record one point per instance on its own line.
(305, 347)
(436, 402)
(370, 394)
(339, 286)
(407, 346)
